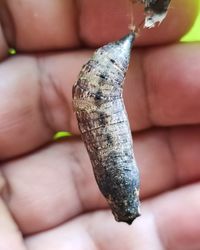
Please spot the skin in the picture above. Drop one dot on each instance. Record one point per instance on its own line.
(49, 198)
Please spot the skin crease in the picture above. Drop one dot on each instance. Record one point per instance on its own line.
(49, 198)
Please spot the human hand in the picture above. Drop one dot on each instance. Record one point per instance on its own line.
(49, 196)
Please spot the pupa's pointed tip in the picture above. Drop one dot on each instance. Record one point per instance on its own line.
(128, 39)
(119, 51)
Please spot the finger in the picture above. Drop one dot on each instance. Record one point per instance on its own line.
(162, 89)
(176, 207)
(10, 236)
(115, 19)
(167, 158)
(98, 230)
(150, 231)
(3, 45)
(50, 188)
(163, 93)
(20, 108)
(44, 25)
(50, 25)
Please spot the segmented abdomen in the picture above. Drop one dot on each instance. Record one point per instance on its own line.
(104, 126)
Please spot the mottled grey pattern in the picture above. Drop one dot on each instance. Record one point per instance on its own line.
(104, 126)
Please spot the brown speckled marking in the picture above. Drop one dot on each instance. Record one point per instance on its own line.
(104, 126)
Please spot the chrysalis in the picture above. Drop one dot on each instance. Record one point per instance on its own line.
(156, 11)
(104, 126)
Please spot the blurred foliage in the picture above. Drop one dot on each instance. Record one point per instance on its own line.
(194, 34)
(61, 134)
(12, 51)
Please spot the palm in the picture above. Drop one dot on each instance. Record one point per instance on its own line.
(48, 189)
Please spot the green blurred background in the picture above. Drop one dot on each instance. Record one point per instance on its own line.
(194, 34)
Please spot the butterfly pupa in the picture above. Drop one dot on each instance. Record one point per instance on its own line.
(103, 123)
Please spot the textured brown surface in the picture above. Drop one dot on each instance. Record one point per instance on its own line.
(104, 126)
